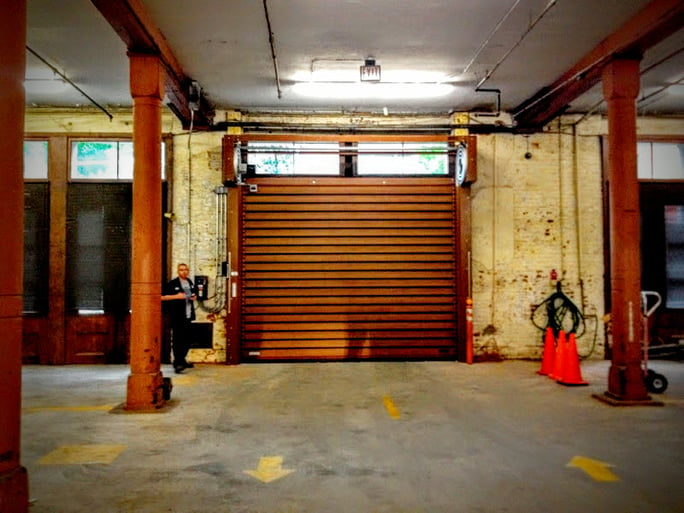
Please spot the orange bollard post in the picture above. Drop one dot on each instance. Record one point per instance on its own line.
(549, 354)
(469, 330)
(570, 373)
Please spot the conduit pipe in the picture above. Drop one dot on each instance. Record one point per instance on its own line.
(548, 7)
(561, 206)
(68, 81)
(643, 99)
(271, 42)
(489, 37)
(188, 229)
(219, 252)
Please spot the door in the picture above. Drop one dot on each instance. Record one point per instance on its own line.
(662, 257)
(97, 285)
(348, 268)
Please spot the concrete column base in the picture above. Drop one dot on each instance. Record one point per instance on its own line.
(145, 392)
(14, 491)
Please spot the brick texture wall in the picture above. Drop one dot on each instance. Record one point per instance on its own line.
(537, 206)
(530, 215)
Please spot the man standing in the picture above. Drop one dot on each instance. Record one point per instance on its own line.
(180, 294)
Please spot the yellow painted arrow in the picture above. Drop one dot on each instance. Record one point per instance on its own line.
(597, 470)
(391, 408)
(269, 469)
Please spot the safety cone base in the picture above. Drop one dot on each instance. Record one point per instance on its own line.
(578, 384)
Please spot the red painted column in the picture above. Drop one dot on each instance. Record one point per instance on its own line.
(145, 381)
(620, 89)
(13, 477)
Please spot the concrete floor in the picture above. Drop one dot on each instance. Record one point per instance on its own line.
(370, 437)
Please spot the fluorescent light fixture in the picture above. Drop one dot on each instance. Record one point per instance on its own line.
(346, 75)
(365, 90)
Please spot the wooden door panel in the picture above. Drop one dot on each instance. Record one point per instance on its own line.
(90, 338)
(35, 332)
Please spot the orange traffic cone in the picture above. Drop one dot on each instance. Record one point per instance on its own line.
(559, 356)
(549, 354)
(570, 372)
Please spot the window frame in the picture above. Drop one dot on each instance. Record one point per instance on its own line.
(348, 152)
(165, 163)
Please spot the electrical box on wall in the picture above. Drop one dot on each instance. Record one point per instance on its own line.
(202, 286)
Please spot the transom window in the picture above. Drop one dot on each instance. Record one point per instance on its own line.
(294, 158)
(105, 160)
(35, 160)
(403, 158)
(660, 161)
(301, 158)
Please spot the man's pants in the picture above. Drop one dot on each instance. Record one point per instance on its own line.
(180, 340)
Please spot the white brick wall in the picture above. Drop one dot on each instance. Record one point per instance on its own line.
(525, 221)
(529, 216)
(196, 176)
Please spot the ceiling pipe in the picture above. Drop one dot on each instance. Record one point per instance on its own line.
(510, 51)
(446, 128)
(498, 102)
(273, 52)
(68, 81)
(490, 36)
(643, 99)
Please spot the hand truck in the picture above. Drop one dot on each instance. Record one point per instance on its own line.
(655, 383)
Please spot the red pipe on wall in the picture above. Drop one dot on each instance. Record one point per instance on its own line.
(469, 330)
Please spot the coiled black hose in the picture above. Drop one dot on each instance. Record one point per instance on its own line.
(562, 314)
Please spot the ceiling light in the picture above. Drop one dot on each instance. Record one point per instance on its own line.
(377, 90)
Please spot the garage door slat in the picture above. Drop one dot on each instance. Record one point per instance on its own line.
(356, 293)
(295, 336)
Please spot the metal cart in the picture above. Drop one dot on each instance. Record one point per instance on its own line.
(655, 383)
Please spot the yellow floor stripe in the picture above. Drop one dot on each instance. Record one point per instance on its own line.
(183, 380)
(597, 470)
(82, 454)
(391, 408)
(104, 407)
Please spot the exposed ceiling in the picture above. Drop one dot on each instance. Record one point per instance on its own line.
(515, 46)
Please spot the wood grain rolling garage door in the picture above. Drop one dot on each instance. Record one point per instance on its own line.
(348, 268)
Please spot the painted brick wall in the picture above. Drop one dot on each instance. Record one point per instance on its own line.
(197, 174)
(529, 216)
(537, 206)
